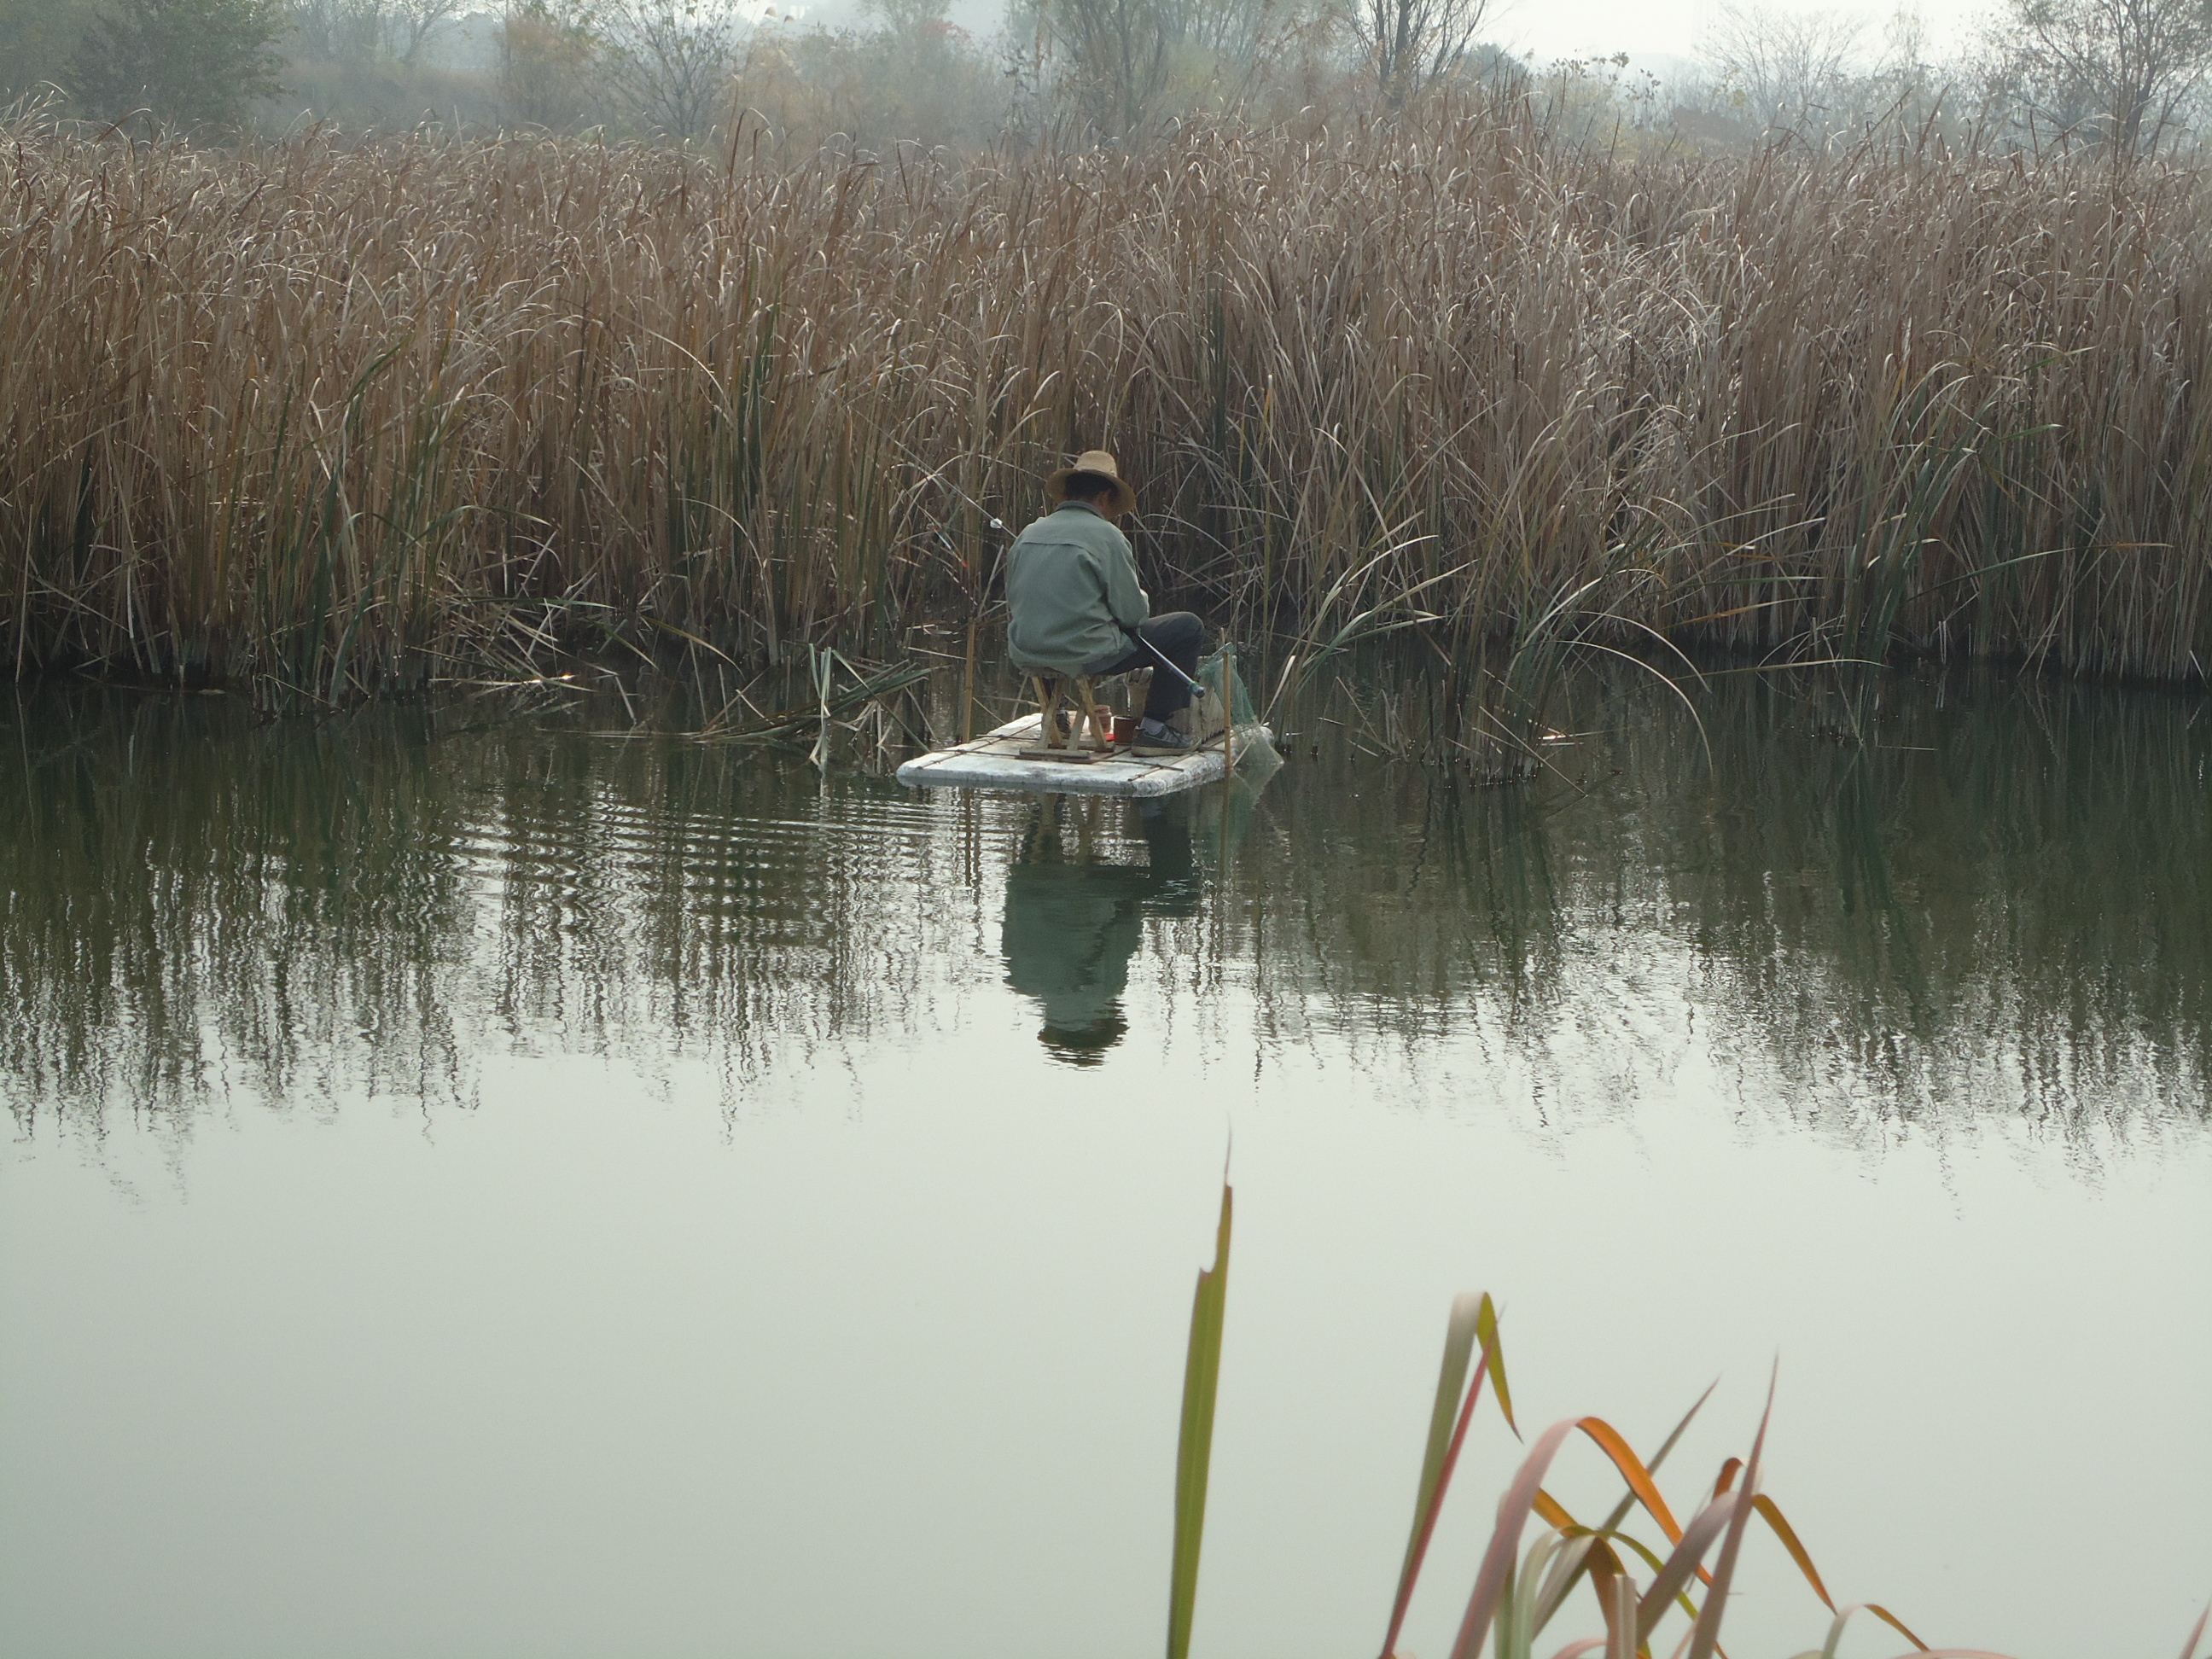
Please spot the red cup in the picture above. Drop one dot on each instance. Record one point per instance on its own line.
(1125, 728)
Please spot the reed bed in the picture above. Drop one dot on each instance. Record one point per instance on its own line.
(334, 419)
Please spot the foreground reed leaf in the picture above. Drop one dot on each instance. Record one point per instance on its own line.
(1682, 1566)
(1569, 1562)
(1602, 1563)
(1769, 1511)
(1897, 1624)
(1610, 1528)
(1771, 1514)
(1646, 1489)
(1705, 1635)
(1518, 1598)
(1498, 1561)
(1471, 1317)
(1493, 1355)
(1843, 1617)
(1620, 1604)
(1195, 1448)
(1459, 1345)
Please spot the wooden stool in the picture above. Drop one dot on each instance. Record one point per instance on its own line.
(1050, 688)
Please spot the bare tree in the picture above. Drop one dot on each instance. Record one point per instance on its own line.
(917, 77)
(1250, 37)
(2118, 71)
(906, 20)
(411, 25)
(342, 30)
(673, 62)
(191, 63)
(1411, 43)
(549, 52)
(364, 31)
(1786, 71)
(1906, 89)
(1116, 58)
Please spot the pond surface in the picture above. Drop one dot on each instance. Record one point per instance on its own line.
(484, 1186)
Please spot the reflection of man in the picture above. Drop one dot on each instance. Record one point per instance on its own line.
(1072, 928)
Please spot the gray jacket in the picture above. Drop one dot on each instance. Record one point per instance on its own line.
(1071, 584)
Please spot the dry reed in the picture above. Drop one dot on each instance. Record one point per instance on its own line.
(331, 419)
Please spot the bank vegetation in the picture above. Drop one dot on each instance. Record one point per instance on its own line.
(334, 418)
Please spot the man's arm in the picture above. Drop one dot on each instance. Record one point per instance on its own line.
(1125, 597)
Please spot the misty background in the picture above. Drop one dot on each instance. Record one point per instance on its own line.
(967, 74)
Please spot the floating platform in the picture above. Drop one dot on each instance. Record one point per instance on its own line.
(994, 761)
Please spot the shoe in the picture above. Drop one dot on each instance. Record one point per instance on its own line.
(1155, 734)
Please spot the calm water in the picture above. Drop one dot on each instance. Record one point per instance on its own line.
(483, 1187)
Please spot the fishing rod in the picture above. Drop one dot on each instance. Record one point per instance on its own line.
(1160, 656)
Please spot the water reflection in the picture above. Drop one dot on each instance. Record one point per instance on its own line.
(2005, 909)
(1074, 919)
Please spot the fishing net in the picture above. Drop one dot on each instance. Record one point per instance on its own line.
(1205, 718)
(1209, 675)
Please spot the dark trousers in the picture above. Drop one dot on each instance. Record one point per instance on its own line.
(1179, 637)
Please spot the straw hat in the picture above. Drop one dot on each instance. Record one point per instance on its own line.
(1097, 464)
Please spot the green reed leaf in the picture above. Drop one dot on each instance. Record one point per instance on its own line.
(1451, 1379)
(1195, 1448)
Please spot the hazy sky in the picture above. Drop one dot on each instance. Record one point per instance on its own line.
(1674, 27)
(1646, 28)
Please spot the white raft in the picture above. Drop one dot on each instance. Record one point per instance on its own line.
(994, 761)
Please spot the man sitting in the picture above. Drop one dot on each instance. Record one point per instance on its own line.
(1078, 606)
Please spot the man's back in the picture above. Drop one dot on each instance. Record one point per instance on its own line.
(1071, 586)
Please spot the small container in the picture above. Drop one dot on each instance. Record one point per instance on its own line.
(1125, 728)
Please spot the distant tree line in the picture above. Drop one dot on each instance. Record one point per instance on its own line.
(2129, 75)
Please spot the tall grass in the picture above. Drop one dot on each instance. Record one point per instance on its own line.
(332, 419)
